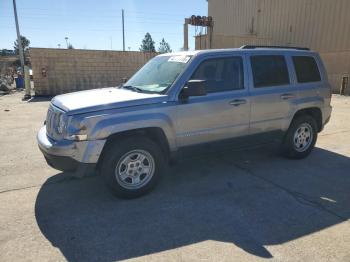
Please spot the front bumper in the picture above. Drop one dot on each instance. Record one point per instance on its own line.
(62, 163)
(78, 157)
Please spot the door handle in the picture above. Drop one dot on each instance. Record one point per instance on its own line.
(238, 102)
(287, 96)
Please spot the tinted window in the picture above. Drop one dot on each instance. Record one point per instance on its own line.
(221, 74)
(269, 70)
(306, 69)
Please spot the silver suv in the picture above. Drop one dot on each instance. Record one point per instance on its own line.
(182, 100)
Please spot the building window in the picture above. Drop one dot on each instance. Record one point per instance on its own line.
(221, 74)
(306, 69)
(269, 70)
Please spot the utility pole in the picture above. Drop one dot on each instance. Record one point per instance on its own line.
(187, 21)
(25, 70)
(123, 30)
(66, 41)
(20, 49)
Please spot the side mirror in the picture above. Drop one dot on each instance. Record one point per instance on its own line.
(194, 88)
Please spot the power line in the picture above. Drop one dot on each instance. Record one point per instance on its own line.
(144, 21)
(106, 11)
(64, 22)
(89, 16)
(24, 28)
(144, 15)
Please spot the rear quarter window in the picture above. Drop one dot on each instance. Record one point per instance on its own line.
(269, 70)
(306, 69)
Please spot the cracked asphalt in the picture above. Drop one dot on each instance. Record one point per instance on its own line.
(246, 205)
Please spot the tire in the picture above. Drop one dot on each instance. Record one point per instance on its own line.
(298, 143)
(122, 164)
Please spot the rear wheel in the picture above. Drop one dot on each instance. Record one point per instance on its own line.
(132, 167)
(300, 138)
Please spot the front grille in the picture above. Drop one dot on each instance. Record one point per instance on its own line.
(52, 118)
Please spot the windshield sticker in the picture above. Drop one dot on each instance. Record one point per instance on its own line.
(179, 59)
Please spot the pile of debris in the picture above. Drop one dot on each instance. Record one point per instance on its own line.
(5, 84)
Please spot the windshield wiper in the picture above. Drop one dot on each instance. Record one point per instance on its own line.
(133, 88)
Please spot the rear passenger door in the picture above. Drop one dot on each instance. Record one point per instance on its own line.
(272, 94)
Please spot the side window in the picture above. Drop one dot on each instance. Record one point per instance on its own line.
(221, 74)
(269, 70)
(306, 69)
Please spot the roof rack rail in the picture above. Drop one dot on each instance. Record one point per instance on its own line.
(274, 46)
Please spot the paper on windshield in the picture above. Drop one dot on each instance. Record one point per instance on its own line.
(179, 59)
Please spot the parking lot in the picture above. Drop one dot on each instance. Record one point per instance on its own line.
(228, 206)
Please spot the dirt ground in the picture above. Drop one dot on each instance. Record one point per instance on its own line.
(234, 206)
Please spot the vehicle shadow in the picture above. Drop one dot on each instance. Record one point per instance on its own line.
(36, 99)
(251, 199)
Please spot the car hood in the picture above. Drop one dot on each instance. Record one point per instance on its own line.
(102, 99)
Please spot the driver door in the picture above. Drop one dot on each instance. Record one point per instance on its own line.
(221, 114)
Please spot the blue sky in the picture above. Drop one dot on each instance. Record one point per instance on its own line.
(97, 24)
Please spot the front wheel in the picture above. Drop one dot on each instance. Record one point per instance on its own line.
(132, 167)
(300, 138)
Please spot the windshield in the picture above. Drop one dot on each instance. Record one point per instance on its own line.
(158, 74)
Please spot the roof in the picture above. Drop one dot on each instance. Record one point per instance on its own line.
(258, 48)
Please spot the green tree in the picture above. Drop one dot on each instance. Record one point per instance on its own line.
(25, 44)
(70, 46)
(164, 47)
(147, 44)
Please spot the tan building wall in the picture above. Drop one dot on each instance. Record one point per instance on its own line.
(338, 66)
(69, 70)
(322, 25)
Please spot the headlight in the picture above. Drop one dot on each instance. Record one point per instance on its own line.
(62, 124)
(75, 129)
(71, 127)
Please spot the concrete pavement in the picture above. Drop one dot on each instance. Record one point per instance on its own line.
(231, 206)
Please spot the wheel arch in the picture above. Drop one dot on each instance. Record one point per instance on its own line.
(156, 134)
(314, 112)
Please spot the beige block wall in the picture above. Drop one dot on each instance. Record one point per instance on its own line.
(6, 62)
(69, 70)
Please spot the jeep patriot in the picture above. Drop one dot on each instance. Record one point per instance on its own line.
(181, 100)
